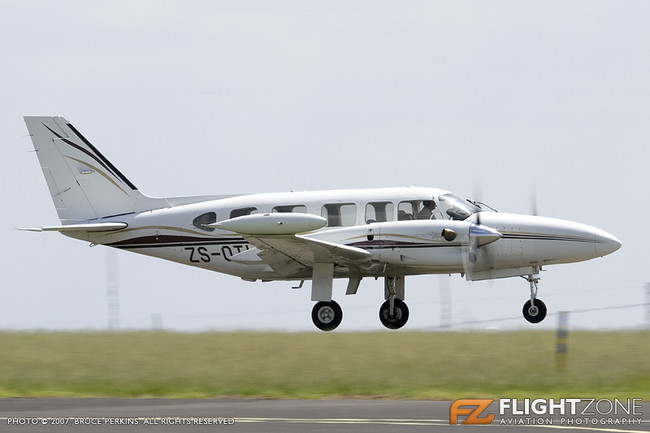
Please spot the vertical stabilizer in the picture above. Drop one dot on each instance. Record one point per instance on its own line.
(84, 184)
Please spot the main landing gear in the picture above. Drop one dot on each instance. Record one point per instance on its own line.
(534, 310)
(327, 315)
(393, 313)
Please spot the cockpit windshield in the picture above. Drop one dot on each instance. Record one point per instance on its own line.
(455, 207)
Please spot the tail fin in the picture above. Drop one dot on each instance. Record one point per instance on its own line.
(84, 184)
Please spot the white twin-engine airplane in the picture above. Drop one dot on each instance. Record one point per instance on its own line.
(317, 236)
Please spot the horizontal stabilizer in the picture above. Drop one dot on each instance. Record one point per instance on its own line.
(96, 227)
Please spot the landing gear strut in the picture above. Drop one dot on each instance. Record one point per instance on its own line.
(534, 310)
(327, 315)
(394, 313)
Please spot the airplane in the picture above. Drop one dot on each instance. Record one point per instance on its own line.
(387, 233)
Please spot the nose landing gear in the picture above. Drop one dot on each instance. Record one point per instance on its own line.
(394, 313)
(399, 316)
(534, 310)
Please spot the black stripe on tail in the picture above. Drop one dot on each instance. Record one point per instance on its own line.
(102, 158)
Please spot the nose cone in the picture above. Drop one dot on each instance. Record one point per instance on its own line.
(547, 241)
(606, 243)
(483, 235)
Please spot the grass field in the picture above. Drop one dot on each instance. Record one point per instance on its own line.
(423, 365)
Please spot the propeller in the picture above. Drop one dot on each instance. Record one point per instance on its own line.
(480, 235)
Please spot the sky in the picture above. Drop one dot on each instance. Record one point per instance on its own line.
(540, 104)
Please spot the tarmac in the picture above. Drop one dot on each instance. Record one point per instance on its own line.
(99, 415)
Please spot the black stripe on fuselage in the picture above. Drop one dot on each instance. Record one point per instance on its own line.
(165, 241)
(545, 237)
(386, 244)
(379, 244)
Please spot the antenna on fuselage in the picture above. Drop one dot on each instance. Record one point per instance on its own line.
(533, 199)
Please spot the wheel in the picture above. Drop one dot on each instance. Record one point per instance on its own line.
(534, 313)
(327, 315)
(398, 319)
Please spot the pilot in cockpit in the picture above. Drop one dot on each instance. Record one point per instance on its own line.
(428, 207)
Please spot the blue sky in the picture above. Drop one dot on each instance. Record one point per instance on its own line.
(185, 98)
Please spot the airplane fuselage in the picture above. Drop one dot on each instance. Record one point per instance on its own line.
(376, 220)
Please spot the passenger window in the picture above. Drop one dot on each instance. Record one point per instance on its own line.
(243, 211)
(406, 210)
(379, 212)
(207, 218)
(340, 215)
(299, 208)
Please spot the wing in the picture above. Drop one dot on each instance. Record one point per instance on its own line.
(281, 247)
(292, 255)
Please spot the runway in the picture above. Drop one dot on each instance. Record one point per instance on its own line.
(27, 415)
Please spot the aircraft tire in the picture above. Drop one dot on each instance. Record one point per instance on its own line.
(399, 319)
(534, 314)
(327, 316)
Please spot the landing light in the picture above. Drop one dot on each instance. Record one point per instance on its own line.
(448, 234)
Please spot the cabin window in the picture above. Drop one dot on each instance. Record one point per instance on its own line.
(243, 211)
(295, 208)
(379, 212)
(206, 218)
(340, 215)
(407, 210)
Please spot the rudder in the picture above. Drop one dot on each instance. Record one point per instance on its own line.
(84, 184)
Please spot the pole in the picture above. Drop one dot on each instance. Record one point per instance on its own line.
(445, 303)
(562, 344)
(647, 305)
(112, 290)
